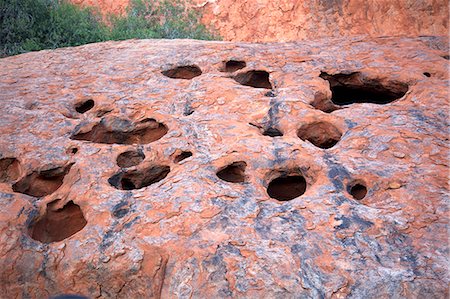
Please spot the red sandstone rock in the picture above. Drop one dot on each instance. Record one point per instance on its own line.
(226, 179)
(264, 20)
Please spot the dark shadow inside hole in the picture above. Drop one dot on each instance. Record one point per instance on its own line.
(257, 79)
(182, 156)
(354, 88)
(139, 178)
(233, 173)
(130, 158)
(358, 191)
(287, 187)
(321, 134)
(41, 183)
(183, 72)
(57, 225)
(272, 132)
(427, 74)
(233, 65)
(446, 57)
(84, 106)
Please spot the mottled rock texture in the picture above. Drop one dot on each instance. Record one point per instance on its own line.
(291, 20)
(151, 168)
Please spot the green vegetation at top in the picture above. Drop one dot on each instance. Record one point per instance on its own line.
(31, 25)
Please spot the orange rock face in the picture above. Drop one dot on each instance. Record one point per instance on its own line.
(265, 20)
(151, 168)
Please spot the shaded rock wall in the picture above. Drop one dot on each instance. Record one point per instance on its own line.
(152, 168)
(286, 20)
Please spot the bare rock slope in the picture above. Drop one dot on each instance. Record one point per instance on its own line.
(182, 168)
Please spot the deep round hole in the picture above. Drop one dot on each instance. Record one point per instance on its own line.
(130, 158)
(182, 156)
(139, 178)
(58, 224)
(84, 106)
(272, 132)
(427, 74)
(257, 79)
(321, 134)
(358, 191)
(233, 173)
(286, 188)
(233, 65)
(183, 72)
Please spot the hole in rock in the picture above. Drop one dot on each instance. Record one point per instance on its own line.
(130, 158)
(272, 132)
(286, 188)
(257, 79)
(72, 150)
(140, 178)
(58, 224)
(9, 169)
(182, 156)
(354, 88)
(358, 191)
(321, 134)
(84, 106)
(233, 65)
(427, 74)
(446, 57)
(233, 173)
(41, 183)
(183, 72)
(121, 131)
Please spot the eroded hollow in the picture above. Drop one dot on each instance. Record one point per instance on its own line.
(358, 190)
(272, 132)
(58, 224)
(287, 187)
(427, 74)
(231, 66)
(122, 131)
(182, 156)
(139, 178)
(183, 72)
(130, 158)
(354, 88)
(321, 134)
(84, 106)
(41, 183)
(233, 173)
(9, 169)
(257, 79)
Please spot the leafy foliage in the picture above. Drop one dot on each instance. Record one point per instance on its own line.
(30, 25)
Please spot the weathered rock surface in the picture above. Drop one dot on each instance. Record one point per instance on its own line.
(153, 168)
(287, 20)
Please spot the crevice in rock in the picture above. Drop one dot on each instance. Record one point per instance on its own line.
(130, 158)
(427, 74)
(122, 131)
(257, 79)
(233, 173)
(84, 106)
(287, 187)
(322, 134)
(139, 178)
(354, 88)
(272, 132)
(231, 66)
(42, 182)
(182, 156)
(9, 169)
(183, 72)
(58, 224)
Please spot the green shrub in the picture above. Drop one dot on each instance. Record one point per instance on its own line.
(30, 25)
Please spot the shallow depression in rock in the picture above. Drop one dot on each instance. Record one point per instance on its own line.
(139, 178)
(322, 134)
(233, 173)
